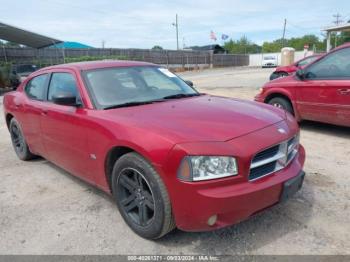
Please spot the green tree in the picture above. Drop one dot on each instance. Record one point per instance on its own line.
(242, 46)
(157, 47)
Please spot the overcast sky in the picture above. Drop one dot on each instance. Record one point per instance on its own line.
(143, 24)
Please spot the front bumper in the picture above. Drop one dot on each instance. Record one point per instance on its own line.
(234, 203)
(231, 199)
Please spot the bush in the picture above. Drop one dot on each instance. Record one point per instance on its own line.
(93, 58)
(5, 70)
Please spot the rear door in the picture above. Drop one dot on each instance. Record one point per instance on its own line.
(31, 112)
(64, 128)
(324, 95)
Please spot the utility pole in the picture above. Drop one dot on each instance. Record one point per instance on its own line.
(176, 24)
(284, 32)
(337, 22)
(103, 44)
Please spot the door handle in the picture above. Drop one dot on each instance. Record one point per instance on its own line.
(344, 91)
(43, 112)
(18, 105)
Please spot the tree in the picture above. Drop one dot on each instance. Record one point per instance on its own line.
(242, 46)
(157, 47)
(297, 43)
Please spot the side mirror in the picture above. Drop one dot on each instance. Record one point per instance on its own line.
(190, 83)
(300, 74)
(65, 99)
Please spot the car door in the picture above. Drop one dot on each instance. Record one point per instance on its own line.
(324, 93)
(63, 127)
(30, 112)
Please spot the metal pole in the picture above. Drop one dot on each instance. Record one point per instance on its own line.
(328, 41)
(5, 56)
(177, 33)
(284, 32)
(176, 24)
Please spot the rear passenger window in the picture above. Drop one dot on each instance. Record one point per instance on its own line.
(62, 83)
(35, 89)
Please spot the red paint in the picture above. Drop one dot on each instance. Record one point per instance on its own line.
(295, 66)
(323, 100)
(164, 133)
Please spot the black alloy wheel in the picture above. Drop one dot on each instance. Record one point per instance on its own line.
(142, 197)
(136, 197)
(18, 141)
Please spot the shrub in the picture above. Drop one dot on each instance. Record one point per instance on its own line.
(5, 71)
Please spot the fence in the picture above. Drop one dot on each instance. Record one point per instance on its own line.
(170, 58)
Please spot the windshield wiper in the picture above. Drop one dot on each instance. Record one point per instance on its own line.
(134, 103)
(180, 96)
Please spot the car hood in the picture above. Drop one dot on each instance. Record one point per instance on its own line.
(203, 118)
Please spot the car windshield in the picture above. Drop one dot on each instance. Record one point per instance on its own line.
(269, 58)
(307, 60)
(129, 86)
(25, 68)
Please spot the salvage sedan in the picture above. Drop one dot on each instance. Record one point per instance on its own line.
(169, 156)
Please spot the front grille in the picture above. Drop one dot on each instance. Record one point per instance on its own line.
(266, 153)
(261, 170)
(273, 159)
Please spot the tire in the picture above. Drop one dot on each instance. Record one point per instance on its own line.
(141, 197)
(18, 141)
(282, 103)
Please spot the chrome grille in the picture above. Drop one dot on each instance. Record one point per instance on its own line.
(274, 158)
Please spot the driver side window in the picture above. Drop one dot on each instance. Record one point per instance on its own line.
(62, 83)
(333, 66)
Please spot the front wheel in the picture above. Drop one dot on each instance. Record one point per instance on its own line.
(141, 197)
(282, 103)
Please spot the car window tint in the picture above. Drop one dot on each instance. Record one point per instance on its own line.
(154, 79)
(115, 86)
(62, 83)
(334, 66)
(306, 61)
(36, 87)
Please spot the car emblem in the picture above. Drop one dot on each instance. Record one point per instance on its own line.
(282, 131)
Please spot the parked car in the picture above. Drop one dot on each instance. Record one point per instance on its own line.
(20, 72)
(319, 92)
(283, 71)
(169, 156)
(269, 61)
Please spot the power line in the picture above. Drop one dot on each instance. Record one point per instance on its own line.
(337, 20)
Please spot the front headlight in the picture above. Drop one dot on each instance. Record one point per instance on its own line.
(198, 168)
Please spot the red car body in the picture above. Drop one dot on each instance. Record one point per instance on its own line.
(163, 133)
(300, 64)
(324, 98)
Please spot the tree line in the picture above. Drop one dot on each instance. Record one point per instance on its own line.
(245, 46)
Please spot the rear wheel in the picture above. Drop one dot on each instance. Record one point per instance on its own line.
(282, 103)
(141, 197)
(18, 141)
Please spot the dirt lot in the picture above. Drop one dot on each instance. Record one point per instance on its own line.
(44, 210)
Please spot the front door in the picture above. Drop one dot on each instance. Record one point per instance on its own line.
(63, 129)
(324, 94)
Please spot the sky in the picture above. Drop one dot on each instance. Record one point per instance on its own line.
(144, 24)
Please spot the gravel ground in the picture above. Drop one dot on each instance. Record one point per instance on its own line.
(44, 210)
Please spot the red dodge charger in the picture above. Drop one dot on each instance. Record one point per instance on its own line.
(169, 156)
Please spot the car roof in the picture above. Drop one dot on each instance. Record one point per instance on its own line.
(97, 64)
(341, 47)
